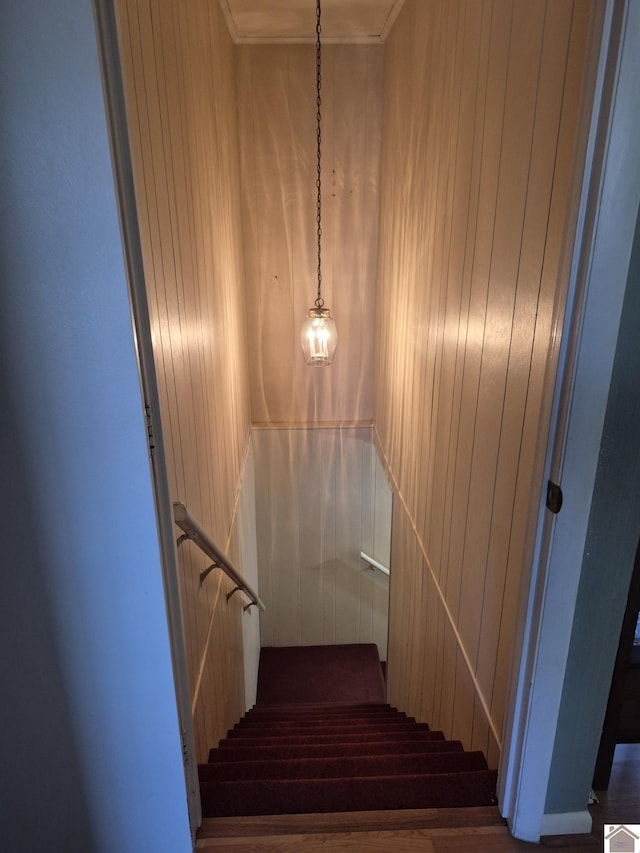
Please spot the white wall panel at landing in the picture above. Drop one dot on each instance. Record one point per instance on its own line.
(321, 498)
(481, 132)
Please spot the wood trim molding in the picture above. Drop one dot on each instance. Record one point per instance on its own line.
(258, 425)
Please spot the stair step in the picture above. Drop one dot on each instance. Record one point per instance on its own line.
(313, 719)
(324, 720)
(360, 737)
(478, 839)
(269, 712)
(340, 767)
(328, 738)
(329, 707)
(259, 732)
(317, 760)
(299, 796)
(360, 821)
(285, 751)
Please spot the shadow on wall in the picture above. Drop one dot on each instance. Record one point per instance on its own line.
(37, 722)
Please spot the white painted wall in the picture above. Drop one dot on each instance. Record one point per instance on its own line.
(321, 499)
(91, 747)
(379, 538)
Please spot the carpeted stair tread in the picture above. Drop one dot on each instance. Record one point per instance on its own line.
(373, 737)
(324, 719)
(297, 712)
(311, 722)
(339, 767)
(300, 796)
(360, 737)
(232, 752)
(341, 673)
(354, 728)
(321, 739)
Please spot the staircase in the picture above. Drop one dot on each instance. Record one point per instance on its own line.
(322, 762)
(321, 758)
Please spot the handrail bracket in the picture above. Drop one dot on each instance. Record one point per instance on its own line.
(233, 592)
(374, 564)
(192, 529)
(206, 572)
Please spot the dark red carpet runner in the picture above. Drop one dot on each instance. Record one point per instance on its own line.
(348, 674)
(298, 757)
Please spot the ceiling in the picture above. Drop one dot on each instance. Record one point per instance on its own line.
(273, 21)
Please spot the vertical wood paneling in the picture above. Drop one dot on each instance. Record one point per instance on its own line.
(315, 510)
(481, 147)
(501, 329)
(181, 110)
(276, 91)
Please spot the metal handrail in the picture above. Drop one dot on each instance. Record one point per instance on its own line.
(192, 529)
(374, 564)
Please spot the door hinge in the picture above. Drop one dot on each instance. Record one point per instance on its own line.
(554, 497)
(185, 748)
(148, 416)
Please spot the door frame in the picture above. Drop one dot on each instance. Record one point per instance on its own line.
(609, 737)
(602, 250)
(108, 49)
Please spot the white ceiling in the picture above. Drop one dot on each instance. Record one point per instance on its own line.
(269, 21)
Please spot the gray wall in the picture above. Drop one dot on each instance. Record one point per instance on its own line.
(90, 745)
(612, 539)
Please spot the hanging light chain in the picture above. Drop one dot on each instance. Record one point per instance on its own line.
(319, 300)
(318, 335)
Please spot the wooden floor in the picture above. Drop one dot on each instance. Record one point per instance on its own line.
(478, 830)
(620, 804)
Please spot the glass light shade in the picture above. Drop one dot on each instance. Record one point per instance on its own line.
(319, 337)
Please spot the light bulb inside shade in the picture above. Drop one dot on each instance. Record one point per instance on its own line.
(319, 337)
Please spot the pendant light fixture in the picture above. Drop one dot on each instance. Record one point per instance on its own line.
(318, 336)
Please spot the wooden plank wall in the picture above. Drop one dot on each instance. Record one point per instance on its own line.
(277, 119)
(179, 78)
(482, 130)
(321, 498)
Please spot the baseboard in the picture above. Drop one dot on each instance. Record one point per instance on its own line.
(567, 823)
